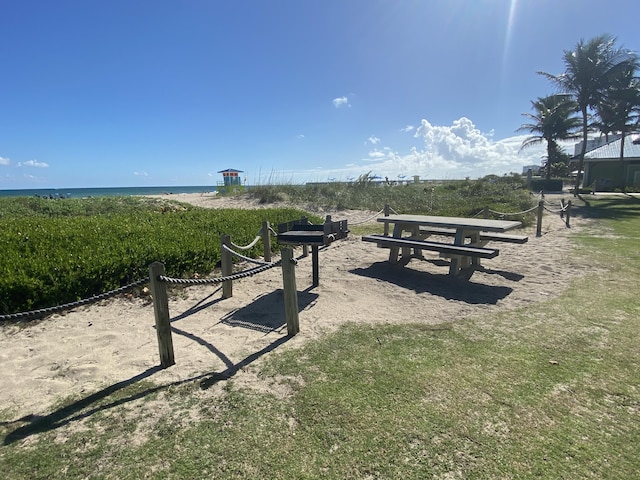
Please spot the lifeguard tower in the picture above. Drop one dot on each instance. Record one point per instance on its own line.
(230, 177)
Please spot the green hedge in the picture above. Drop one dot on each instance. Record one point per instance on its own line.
(53, 258)
(542, 184)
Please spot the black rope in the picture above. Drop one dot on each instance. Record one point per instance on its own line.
(69, 306)
(209, 281)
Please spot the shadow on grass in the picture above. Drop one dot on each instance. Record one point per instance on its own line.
(436, 284)
(264, 314)
(619, 207)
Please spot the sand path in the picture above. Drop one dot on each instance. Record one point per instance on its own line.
(92, 347)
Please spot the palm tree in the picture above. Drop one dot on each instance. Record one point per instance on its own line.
(588, 71)
(605, 120)
(621, 105)
(552, 121)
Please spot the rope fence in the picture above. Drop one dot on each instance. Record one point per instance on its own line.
(513, 214)
(247, 247)
(79, 303)
(366, 220)
(158, 281)
(243, 257)
(265, 232)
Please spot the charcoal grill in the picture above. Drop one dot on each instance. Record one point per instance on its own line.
(301, 232)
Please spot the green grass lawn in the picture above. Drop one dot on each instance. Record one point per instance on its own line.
(546, 391)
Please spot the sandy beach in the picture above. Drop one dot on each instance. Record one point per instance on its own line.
(84, 350)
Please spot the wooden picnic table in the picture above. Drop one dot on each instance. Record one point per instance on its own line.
(470, 235)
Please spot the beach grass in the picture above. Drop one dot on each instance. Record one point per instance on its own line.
(546, 391)
(463, 198)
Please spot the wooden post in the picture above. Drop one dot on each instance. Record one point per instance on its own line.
(315, 267)
(290, 291)
(485, 212)
(161, 310)
(568, 213)
(227, 266)
(386, 224)
(266, 240)
(305, 248)
(540, 210)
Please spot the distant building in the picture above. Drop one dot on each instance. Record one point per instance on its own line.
(230, 177)
(535, 169)
(593, 143)
(603, 168)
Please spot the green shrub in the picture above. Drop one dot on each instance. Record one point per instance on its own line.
(61, 251)
(454, 197)
(544, 185)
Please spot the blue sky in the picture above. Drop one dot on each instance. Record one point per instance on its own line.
(157, 92)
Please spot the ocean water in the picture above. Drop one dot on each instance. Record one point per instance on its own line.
(105, 192)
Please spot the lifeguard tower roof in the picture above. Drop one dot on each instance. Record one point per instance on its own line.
(231, 177)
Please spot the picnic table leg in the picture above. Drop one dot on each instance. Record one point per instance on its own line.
(406, 251)
(415, 232)
(393, 253)
(456, 260)
(475, 240)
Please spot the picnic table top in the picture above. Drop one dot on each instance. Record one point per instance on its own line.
(483, 224)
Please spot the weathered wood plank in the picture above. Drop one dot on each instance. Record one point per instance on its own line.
(482, 224)
(290, 292)
(486, 236)
(446, 248)
(161, 310)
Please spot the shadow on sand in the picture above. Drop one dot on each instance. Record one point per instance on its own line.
(265, 314)
(441, 285)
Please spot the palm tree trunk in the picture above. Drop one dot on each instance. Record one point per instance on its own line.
(582, 152)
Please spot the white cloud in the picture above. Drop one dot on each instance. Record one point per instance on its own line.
(300, 136)
(373, 140)
(455, 151)
(341, 102)
(33, 163)
(408, 128)
(141, 173)
(5, 161)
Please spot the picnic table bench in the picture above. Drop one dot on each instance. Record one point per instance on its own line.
(419, 244)
(483, 237)
(470, 236)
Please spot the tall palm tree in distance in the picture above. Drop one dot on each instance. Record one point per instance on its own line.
(551, 121)
(589, 68)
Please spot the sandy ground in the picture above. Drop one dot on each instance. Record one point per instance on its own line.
(90, 348)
